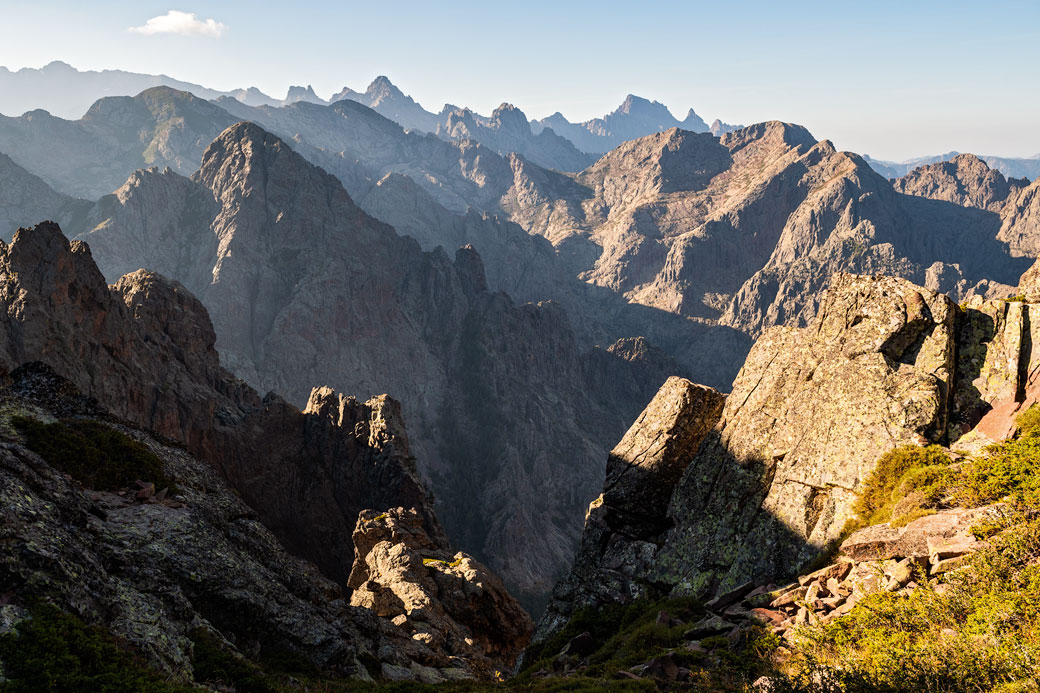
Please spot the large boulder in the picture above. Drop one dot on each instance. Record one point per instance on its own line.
(448, 601)
(809, 415)
(623, 527)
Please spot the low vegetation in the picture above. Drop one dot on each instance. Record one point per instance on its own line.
(53, 651)
(96, 455)
(981, 630)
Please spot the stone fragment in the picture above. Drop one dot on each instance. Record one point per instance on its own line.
(790, 597)
(708, 626)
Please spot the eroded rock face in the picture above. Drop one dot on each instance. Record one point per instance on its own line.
(447, 601)
(144, 349)
(623, 527)
(809, 415)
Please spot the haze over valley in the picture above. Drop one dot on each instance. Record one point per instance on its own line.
(338, 389)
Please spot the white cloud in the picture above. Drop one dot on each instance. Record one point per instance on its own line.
(176, 22)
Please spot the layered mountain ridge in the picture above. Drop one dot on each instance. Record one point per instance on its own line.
(303, 286)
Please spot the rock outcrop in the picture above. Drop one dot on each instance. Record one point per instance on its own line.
(144, 349)
(161, 568)
(772, 483)
(624, 526)
(448, 601)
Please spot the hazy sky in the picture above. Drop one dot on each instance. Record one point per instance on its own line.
(889, 79)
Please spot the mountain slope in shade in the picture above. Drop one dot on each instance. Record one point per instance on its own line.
(25, 198)
(302, 287)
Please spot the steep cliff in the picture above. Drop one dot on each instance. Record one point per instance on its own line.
(304, 287)
(156, 495)
(773, 484)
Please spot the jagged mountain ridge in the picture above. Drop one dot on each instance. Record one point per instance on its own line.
(155, 565)
(508, 131)
(636, 117)
(303, 286)
(746, 229)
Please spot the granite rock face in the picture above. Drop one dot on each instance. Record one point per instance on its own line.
(773, 480)
(766, 491)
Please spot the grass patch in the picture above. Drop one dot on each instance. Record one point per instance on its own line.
(905, 481)
(982, 631)
(97, 456)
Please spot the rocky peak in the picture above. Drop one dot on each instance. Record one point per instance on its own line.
(773, 132)
(694, 122)
(660, 163)
(305, 94)
(381, 89)
(965, 180)
(510, 118)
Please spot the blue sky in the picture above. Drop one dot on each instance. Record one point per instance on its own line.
(890, 79)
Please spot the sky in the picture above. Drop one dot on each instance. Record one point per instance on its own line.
(893, 80)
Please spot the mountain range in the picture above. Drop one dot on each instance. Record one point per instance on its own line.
(466, 328)
(1012, 167)
(692, 243)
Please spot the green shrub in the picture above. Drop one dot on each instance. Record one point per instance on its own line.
(215, 666)
(980, 634)
(54, 651)
(1009, 470)
(96, 455)
(897, 475)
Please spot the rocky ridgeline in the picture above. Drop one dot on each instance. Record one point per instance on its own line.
(212, 539)
(727, 499)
